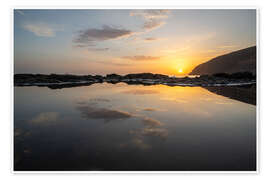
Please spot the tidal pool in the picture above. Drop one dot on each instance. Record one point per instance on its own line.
(132, 127)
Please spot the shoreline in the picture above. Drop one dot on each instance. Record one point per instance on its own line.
(217, 80)
(136, 82)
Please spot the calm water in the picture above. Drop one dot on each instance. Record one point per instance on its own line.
(132, 127)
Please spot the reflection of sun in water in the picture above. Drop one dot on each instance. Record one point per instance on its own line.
(180, 70)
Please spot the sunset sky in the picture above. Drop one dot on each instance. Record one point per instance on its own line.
(127, 41)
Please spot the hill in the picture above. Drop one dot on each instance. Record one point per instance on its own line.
(243, 60)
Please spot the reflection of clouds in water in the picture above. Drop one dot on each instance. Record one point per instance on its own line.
(151, 128)
(91, 112)
(137, 143)
(99, 100)
(153, 109)
(206, 99)
(174, 100)
(150, 131)
(163, 133)
(151, 122)
(21, 148)
(140, 144)
(141, 91)
(224, 103)
(45, 117)
(20, 133)
(149, 109)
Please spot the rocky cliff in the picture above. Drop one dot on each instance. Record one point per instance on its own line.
(243, 60)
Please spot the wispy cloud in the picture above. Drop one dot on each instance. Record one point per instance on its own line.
(89, 37)
(150, 39)
(111, 63)
(141, 58)
(40, 29)
(98, 49)
(153, 18)
(153, 24)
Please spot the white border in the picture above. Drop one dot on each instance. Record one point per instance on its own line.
(139, 172)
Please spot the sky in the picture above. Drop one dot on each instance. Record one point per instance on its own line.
(123, 41)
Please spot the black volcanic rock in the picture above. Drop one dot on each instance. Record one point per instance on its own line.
(113, 76)
(56, 81)
(145, 76)
(238, 61)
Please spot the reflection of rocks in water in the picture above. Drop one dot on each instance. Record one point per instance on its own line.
(245, 94)
(68, 85)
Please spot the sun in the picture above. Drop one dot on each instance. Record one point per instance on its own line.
(180, 70)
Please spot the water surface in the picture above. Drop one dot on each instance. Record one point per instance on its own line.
(132, 127)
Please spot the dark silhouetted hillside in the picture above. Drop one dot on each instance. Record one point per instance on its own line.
(238, 61)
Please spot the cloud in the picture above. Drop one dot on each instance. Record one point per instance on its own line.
(155, 23)
(111, 63)
(40, 29)
(150, 39)
(45, 117)
(142, 58)
(98, 49)
(151, 13)
(153, 18)
(89, 37)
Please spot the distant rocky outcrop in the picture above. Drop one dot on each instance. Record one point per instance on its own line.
(145, 76)
(238, 61)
